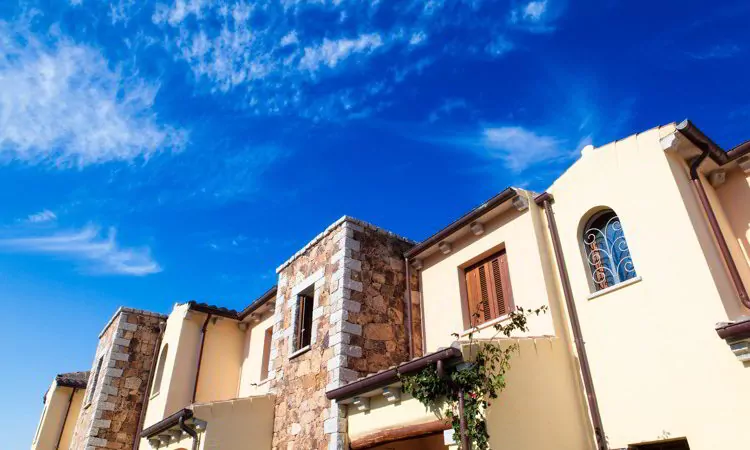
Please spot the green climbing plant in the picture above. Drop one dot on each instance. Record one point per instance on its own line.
(480, 380)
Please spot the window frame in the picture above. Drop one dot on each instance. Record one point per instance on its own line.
(94, 381)
(266, 355)
(160, 367)
(303, 321)
(602, 261)
(505, 288)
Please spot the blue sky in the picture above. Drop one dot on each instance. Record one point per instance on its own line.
(157, 152)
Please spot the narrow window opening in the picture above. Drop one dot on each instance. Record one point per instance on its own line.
(266, 354)
(94, 381)
(160, 370)
(303, 330)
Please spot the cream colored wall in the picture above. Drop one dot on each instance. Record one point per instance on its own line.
(53, 417)
(541, 408)
(658, 366)
(222, 357)
(443, 289)
(70, 421)
(250, 379)
(182, 334)
(384, 415)
(237, 424)
(730, 203)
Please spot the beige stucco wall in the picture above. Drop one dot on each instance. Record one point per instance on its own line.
(72, 418)
(384, 415)
(541, 394)
(56, 419)
(237, 424)
(222, 357)
(254, 339)
(658, 366)
(443, 286)
(730, 202)
(182, 334)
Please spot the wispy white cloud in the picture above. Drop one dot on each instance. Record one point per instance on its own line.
(268, 50)
(721, 51)
(95, 253)
(535, 16)
(42, 216)
(519, 148)
(62, 104)
(446, 108)
(331, 52)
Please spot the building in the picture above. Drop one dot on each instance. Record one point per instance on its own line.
(639, 251)
(62, 404)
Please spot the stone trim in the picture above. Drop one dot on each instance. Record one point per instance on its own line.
(124, 309)
(330, 229)
(341, 330)
(317, 282)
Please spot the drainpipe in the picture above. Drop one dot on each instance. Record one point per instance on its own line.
(65, 418)
(734, 274)
(465, 444)
(410, 325)
(200, 356)
(546, 202)
(190, 431)
(149, 385)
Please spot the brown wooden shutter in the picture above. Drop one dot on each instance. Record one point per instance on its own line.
(266, 353)
(488, 289)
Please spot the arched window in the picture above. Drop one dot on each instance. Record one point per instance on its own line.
(160, 370)
(607, 252)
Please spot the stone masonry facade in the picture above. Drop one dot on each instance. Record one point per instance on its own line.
(116, 388)
(356, 274)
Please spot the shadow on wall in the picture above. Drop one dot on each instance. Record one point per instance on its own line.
(696, 213)
(734, 195)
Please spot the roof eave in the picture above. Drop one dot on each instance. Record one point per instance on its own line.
(462, 221)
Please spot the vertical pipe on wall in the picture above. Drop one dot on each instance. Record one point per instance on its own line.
(149, 385)
(409, 323)
(465, 443)
(65, 418)
(545, 200)
(734, 274)
(200, 356)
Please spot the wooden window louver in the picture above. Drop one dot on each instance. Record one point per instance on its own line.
(488, 289)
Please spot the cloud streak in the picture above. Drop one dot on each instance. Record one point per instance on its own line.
(95, 253)
(42, 216)
(61, 104)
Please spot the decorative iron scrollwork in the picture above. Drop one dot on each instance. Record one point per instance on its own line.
(607, 251)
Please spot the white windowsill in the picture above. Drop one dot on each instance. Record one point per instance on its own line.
(485, 325)
(299, 352)
(154, 395)
(616, 287)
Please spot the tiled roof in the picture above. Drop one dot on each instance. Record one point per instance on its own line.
(73, 379)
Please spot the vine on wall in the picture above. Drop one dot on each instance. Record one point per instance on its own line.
(480, 381)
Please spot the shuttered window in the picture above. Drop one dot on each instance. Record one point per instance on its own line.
(488, 289)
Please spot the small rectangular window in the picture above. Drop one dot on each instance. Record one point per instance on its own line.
(303, 331)
(266, 354)
(94, 380)
(488, 291)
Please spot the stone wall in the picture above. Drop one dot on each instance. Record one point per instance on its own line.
(111, 411)
(356, 272)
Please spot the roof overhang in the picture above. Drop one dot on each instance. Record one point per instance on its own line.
(700, 142)
(493, 206)
(167, 423)
(261, 305)
(375, 384)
